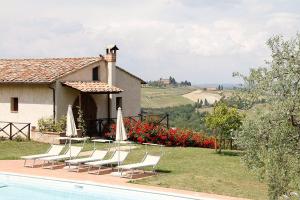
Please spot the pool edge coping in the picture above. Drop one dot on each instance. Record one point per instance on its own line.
(115, 186)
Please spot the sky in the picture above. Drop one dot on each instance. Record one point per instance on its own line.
(203, 41)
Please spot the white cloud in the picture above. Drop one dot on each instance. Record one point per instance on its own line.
(286, 22)
(203, 41)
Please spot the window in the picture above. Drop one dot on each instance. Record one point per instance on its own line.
(96, 74)
(118, 102)
(14, 104)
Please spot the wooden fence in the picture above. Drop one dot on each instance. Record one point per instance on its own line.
(157, 119)
(14, 129)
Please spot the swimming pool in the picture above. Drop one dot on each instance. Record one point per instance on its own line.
(22, 187)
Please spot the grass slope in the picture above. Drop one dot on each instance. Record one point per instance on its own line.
(12, 150)
(203, 170)
(193, 169)
(154, 97)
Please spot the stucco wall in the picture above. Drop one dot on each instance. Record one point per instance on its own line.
(66, 96)
(35, 102)
(86, 74)
(131, 97)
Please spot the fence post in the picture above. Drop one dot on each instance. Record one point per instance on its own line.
(141, 117)
(10, 130)
(168, 125)
(28, 134)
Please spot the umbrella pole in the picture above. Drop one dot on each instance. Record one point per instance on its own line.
(118, 157)
(70, 152)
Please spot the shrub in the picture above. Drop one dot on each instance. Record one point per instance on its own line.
(142, 132)
(49, 125)
(20, 139)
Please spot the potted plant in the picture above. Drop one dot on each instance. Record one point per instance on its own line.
(81, 123)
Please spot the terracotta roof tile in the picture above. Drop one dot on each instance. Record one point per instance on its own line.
(92, 87)
(40, 70)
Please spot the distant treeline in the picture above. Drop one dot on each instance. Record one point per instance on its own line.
(184, 116)
(170, 81)
(220, 87)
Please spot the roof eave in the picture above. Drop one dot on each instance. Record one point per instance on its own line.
(24, 82)
(101, 92)
(92, 92)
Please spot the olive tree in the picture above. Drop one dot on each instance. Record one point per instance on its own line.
(271, 131)
(224, 120)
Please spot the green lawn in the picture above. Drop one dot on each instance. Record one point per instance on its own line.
(11, 150)
(195, 169)
(154, 97)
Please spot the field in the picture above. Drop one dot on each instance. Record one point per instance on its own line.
(153, 97)
(193, 169)
(210, 96)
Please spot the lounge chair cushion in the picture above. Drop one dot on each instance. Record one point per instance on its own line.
(53, 151)
(71, 153)
(133, 166)
(96, 156)
(113, 160)
(32, 157)
(147, 162)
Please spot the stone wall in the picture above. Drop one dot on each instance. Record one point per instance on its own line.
(48, 137)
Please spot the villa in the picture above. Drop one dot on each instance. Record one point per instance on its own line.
(31, 89)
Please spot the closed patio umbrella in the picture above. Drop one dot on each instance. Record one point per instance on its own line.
(70, 126)
(121, 134)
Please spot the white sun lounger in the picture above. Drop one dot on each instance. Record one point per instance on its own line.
(54, 150)
(148, 161)
(72, 152)
(97, 155)
(112, 161)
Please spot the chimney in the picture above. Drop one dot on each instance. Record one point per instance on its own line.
(111, 57)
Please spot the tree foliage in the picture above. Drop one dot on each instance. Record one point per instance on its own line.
(199, 103)
(184, 116)
(206, 102)
(185, 83)
(271, 134)
(224, 120)
(172, 80)
(220, 87)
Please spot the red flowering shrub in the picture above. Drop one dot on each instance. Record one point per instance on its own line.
(111, 132)
(142, 132)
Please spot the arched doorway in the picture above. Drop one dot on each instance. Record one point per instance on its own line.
(89, 109)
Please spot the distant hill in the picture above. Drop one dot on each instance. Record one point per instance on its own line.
(227, 86)
(210, 96)
(161, 97)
